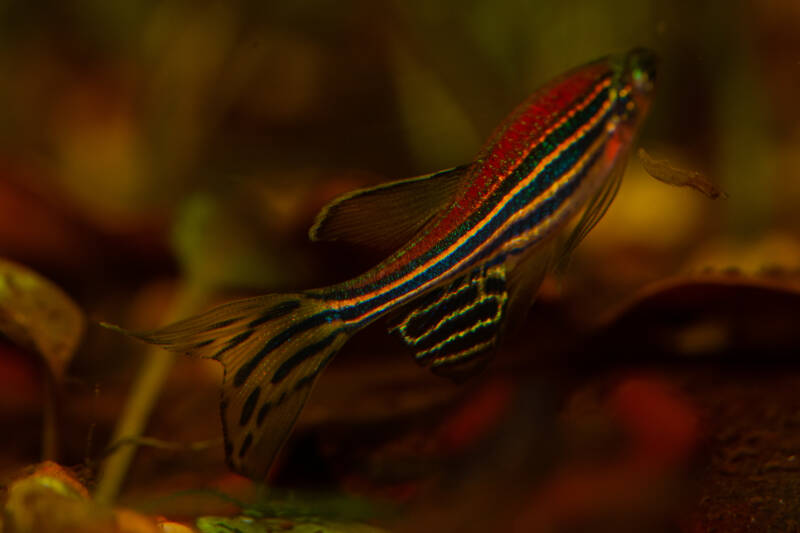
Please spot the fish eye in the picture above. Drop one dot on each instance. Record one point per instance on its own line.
(642, 80)
(642, 64)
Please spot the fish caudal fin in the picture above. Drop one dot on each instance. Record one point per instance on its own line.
(272, 348)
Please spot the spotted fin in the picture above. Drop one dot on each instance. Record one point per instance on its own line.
(386, 216)
(455, 328)
(272, 348)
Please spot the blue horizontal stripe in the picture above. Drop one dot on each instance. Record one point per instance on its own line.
(549, 174)
(536, 155)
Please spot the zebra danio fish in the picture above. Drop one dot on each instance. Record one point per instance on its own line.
(466, 248)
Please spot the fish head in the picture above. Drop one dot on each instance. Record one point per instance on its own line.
(641, 67)
(633, 87)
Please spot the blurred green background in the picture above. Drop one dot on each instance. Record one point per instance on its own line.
(216, 129)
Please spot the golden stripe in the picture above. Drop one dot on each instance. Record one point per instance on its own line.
(428, 308)
(535, 231)
(421, 356)
(501, 300)
(523, 183)
(441, 361)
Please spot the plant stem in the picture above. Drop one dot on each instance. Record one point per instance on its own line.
(141, 401)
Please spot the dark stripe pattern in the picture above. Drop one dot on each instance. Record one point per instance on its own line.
(262, 413)
(279, 310)
(458, 295)
(224, 324)
(458, 322)
(484, 239)
(249, 406)
(233, 343)
(303, 354)
(546, 178)
(454, 289)
(278, 340)
(248, 441)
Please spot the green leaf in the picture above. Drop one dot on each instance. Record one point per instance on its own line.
(218, 247)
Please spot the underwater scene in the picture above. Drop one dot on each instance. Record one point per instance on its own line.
(373, 267)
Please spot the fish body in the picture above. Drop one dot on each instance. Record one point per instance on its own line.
(465, 248)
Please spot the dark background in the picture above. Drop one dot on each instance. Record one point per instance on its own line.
(159, 156)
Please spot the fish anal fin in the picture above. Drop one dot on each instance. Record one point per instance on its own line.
(454, 329)
(386, 216)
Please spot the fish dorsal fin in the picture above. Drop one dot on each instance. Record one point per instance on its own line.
(454, 329)
(592, 213)
(386, 216)
(272, 348)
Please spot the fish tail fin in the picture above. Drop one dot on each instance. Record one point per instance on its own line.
(273, 348)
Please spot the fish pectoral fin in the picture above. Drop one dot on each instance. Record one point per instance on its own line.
(454, 329)
(528, 270)
(592, 213)
(524, 280)
(386, 216)
(272, 348)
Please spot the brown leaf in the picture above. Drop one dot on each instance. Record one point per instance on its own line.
(39, 316)
(709, 313)
(663, 170)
